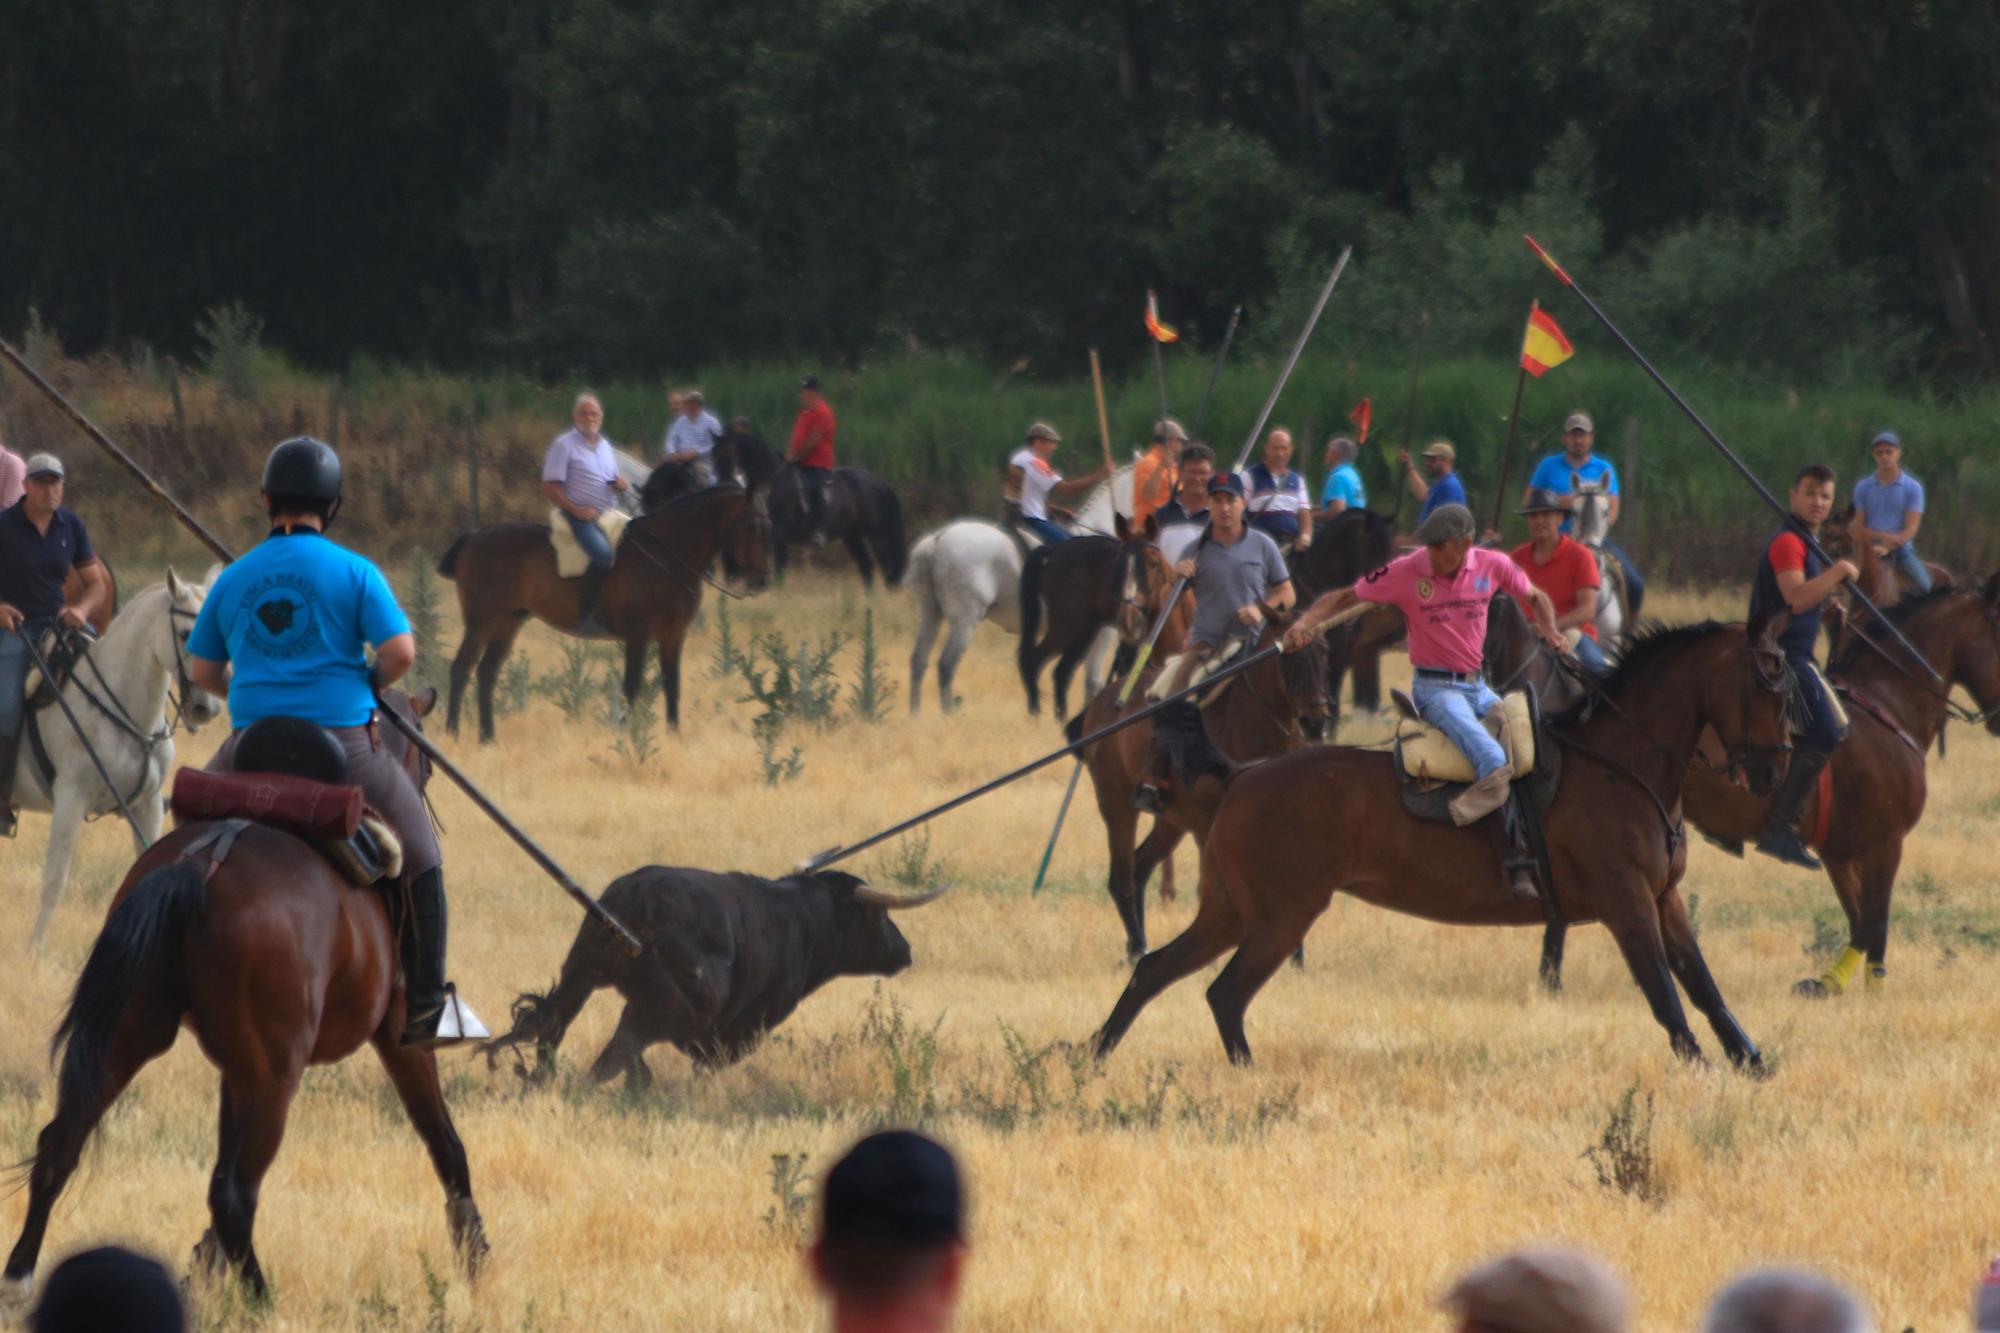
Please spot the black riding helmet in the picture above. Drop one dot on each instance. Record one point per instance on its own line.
(303, 474)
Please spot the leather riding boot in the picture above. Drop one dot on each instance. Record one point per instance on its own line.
(10, 757)
(587, 619)
(433, 1015)
(1780, 837)
(1517, 858)
(1483, 797)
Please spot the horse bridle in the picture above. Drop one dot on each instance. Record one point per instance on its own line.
(1955, 710)
(759, 514)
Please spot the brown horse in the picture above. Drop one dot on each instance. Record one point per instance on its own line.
(1878, 577)
(1616, 852)
(1268, 710)
(1352, 543)
(507, 572)
(1084, 586)
(1877, 773)
(274, 962)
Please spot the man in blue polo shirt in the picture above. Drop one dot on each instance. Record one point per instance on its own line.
(1892, 509)
(295, 617)
(40, 542)
(1440, 484)
(1579, 460)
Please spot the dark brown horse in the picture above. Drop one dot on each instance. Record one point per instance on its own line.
(507, 572)
(1087, 585)
(1271, 709)
(1877, 773)
(274, 962)
(862, 514)
(1616, 851)
(1352, 543)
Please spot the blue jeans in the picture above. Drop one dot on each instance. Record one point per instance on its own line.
(1911, 566)
(593, 541)
(1048, 530)
(1591, 655)
(1455, 710)
(14, 666)
(1635, 584)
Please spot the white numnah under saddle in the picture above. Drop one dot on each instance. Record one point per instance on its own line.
(570, 559)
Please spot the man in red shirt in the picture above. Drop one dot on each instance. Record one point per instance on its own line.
(811, 452)
(1566, 570)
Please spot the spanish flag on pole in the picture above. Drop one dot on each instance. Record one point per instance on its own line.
(1543, 346)
(1165, 333)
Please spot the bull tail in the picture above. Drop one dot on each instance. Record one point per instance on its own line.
(543, 1018)
(448, 563)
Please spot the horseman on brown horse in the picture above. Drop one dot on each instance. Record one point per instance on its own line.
(269, 921)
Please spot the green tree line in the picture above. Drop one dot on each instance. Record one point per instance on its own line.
(635, 187)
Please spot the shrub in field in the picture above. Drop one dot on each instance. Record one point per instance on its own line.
(571, 684)
(231, 339)
(873, 688)
(423, 604)
(1623, 1153)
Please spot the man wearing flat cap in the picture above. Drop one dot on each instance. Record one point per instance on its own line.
(1154, 475)
(1578, 461)
(1443, 589)
(40, 542)
(1544, 1290)
(891, 1252)
(1032, 477)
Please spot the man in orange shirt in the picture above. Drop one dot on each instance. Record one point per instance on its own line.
(811, 452)
(1157, 471)
(1565, 569)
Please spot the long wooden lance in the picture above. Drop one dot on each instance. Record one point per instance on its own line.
(1312, 322)
(1742, 468)
(1215, 374)
(415, 734)
(1513, 426)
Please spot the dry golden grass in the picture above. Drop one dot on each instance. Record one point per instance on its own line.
(1418, 1105)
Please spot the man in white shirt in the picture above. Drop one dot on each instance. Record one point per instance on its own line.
(692, 435)
(580, 477)
(1030, 471)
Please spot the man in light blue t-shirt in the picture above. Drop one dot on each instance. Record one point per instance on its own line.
(1343, 489)
(1580, 461)
(294, 617)
(1891, 505)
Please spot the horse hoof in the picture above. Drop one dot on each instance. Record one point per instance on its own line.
(1755, 1069)
(1812, 988)
(17, 1294)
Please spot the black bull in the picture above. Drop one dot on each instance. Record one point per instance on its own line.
(727, 957)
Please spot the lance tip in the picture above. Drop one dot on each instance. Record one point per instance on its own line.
(1548, 259)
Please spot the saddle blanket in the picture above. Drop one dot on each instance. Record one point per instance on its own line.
(1429, 755)
(570, 559)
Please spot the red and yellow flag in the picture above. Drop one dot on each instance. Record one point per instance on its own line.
(1360, 416)
(1543, 346)
(1165, 333)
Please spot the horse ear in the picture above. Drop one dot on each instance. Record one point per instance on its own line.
(1151, 532)
(1122, 526)
(1990, 593)
(422, 704)
(175, 588)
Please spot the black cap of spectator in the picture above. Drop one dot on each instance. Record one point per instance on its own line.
(810, 382)
(109, 1288)
(894, 1190)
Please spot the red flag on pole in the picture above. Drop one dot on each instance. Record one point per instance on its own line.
(1165, 333)
(1360, 415)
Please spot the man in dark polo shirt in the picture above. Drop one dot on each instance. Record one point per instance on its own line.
(40, 542)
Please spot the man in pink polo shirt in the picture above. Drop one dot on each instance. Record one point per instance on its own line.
(13, 477)
(1443, 589)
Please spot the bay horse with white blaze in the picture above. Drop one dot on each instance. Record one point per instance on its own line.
(274, 961)
(1616, 852)
(507, 572)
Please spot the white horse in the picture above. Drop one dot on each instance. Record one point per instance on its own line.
(967, 571)
(1593, 524)
(118, 692)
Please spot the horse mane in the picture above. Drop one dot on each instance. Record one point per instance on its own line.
(688, 500)
(1899, 615)
(1652, 642)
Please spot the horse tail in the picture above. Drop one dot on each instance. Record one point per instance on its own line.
(923, 587)
(140, 940)
(448, 564)
(892, 548)
(1027, 653)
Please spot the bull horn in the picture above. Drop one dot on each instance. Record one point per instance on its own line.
(874, 897)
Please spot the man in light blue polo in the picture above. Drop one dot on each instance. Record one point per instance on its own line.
(1343, 489)
(692, 436)
(580, 477)
(1580, 462)
(1891, 504)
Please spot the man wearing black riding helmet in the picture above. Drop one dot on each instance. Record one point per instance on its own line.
(294, 618)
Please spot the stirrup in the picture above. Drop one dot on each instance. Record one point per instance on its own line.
(449, 1024)
(1785, 845)
(10, 821)
(1148, 797)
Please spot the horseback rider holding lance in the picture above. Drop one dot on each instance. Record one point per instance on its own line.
(40, 542)
(1792, 575)
(292, 618)
(1443, 590)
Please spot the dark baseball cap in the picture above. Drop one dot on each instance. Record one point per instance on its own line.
(107, 1288)
(896, 1190)
(1226, 481)
(809, 382)
(1541, 501)
(1886, 437)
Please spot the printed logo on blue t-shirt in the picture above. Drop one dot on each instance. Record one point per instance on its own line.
(281, 624)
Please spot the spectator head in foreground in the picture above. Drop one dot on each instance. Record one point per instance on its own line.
(108, 1288)
(1782, 1300)
(891, 1246)
(1539, 1291)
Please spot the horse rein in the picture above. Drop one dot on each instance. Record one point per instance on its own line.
(703, 575)
(1955, 710)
